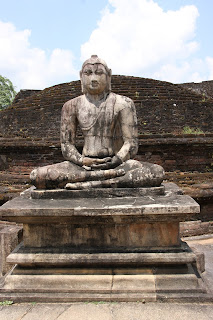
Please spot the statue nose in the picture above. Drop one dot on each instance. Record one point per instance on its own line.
(94, 78)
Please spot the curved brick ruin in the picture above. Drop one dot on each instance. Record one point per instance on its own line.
(205, 88)
(162, 107)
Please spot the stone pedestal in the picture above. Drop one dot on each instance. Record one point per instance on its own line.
(112, 245)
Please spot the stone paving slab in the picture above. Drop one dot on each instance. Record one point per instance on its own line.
(45, 312)
(162, 312)
(14, 312)
(107, 311)
(88, 311)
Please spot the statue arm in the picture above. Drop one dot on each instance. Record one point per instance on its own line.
(128, 123)
(68, 134)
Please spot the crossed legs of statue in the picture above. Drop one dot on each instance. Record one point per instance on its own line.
(132, 173)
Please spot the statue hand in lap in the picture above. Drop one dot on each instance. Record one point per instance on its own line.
(111, 163)
(109, 125)
(93, 162)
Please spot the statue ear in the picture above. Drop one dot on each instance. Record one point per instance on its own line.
(109, 79)
(82, 87)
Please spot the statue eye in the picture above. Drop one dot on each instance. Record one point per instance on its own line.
(99, 72)
(88, 72)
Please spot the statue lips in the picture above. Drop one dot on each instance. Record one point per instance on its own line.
(95, 87)
(94, 84)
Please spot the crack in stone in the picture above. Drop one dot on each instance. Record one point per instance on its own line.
(66, 308)
(26, 312)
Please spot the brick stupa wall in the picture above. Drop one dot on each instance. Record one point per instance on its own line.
(162, 107)
(205, 88)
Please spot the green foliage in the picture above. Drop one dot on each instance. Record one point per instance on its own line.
(6, 303)
(204, 98)
(209, 169)
(95, 302)
(188, 130)
(7, 92)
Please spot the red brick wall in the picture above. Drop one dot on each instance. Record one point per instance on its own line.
(162, 107)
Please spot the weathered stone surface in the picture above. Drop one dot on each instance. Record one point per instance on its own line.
(14, 312)
(183, 282)
(134, 283)
(147, 285)
(108, 311)
(27, 258)
(66, 283)
(10, 235)
(96, 193)
(148, 208)
(106, 234)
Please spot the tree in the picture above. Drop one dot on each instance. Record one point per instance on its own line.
(7, 92)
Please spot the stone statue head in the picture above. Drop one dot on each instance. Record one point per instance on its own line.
(95, 76)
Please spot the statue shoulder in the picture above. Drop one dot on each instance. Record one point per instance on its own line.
(72, 104)
(123, 102)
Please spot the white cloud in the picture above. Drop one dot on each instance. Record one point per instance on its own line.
(29, 67)
(209, 61)
(138, 38)
(195, 70)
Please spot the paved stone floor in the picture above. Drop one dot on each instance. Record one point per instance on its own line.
(121, 311)
(107, 311)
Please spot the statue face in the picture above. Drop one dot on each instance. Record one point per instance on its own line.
(94, 78)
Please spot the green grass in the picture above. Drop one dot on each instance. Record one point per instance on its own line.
(6, 303)
(188, 130)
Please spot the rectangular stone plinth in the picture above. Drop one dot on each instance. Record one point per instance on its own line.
(168, 207)
(127, 223)
(108, 248)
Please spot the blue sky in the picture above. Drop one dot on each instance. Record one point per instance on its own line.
(43, 43)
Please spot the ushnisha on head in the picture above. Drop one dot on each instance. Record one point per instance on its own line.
(95, 76)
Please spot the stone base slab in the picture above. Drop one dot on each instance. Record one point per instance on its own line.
(127, 284)
(46, 260)
(52, 257)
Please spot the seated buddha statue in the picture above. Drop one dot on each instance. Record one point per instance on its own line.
(108, 122)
